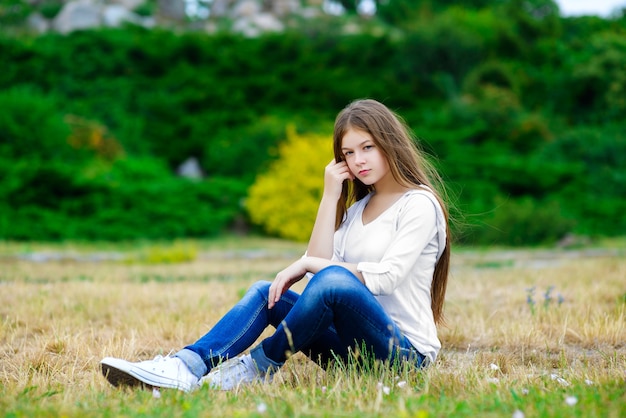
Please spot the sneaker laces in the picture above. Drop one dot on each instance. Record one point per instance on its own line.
(160, 358)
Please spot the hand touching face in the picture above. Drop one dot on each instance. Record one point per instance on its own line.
(335, 174)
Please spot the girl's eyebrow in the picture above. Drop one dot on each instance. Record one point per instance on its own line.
(361, 144)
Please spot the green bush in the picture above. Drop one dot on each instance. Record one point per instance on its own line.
(67, 178)
(13, 12)
(131, 199)
(522, 221)
(31, 126)
(592, 184)
(50, 8)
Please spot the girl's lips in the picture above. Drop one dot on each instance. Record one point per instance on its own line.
(363, 172)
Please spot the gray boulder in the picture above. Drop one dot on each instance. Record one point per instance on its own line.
(114, 15)
(38, 23)
(190, 169)
(76, 15)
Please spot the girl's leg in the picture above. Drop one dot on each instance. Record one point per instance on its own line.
(234, 333)
(335, 298)
(238, 329)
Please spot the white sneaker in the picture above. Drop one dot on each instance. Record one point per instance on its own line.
(162, 372)
(237, 371)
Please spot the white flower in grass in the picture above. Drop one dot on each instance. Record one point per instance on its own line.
(493, 380)
(261, 408)
(571, 400)
(156, 393)
(518, 414)
(525, 391)
(494, 366)
(323, 389)
(588, 382)
(559, 379)
(401, 384)
(382, 387)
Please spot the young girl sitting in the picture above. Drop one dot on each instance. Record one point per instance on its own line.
(377, 264)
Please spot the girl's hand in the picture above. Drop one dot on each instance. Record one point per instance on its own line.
(284, 280)
(335, 174)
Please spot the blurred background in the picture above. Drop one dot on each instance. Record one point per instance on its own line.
(162, 119)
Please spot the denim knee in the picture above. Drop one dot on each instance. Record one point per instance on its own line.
(335, 279)
(261, 286)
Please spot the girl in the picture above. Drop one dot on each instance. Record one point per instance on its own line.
(377, 263)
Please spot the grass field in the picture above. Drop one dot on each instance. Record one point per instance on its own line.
(534, 333)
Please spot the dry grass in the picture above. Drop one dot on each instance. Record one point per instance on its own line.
(59, 318)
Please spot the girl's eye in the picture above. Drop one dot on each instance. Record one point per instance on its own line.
(347, 153)
(368, 147)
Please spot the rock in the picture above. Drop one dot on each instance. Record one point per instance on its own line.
(172, 9)
(573, 240)
(38, 23)
(128, 4)
(283, 8)
(114, 15)
(220, 8)
(246, 9)
(257, 24)
(77, 15)
(190, 169)
(267, 22)
(249, 17)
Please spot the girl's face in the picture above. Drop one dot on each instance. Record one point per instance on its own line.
(363, 157)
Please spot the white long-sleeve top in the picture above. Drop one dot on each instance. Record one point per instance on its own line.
(396, 254)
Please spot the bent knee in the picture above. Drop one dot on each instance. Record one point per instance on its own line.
(262, 286)
(335, 277)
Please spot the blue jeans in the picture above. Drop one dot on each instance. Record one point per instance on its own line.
(335, 314)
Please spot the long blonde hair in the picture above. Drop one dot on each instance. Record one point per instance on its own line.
(408, 166)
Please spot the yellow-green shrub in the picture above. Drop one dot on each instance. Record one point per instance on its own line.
(284, 200)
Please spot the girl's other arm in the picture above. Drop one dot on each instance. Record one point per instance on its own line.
(321, 241)
(293, 273)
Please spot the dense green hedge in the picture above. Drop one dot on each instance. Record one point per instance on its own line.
(524, 117)
(52, 189)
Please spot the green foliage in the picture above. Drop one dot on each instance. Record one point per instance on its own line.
(147, 8)
(592, 188)
(13, 12)
(31, 126)
(284, 200)
(491, 73)
(66, 178)
(523, 221)
(501, 93)
(439, 54)
(50, 8)
(250, 147)
(598, 83)
(533, 19)
(129, 199)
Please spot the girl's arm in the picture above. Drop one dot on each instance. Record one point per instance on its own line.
(321, 241)
(292, 274)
